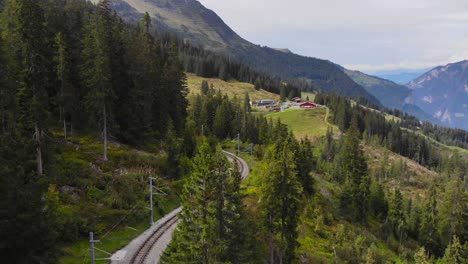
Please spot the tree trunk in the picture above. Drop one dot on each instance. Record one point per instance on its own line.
(65, 128)
(38, 134)
(105, 134)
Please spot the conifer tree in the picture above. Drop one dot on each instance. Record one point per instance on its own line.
(25, 40)
(204, 87)
(455, 253)
(421, 257)
(97, 68)
(378, 204)
(305, 163)
(353, 172)
(211, 222)
(247, 107)
(453, 212)
(62, 61)
(428, 235)
(280, 203)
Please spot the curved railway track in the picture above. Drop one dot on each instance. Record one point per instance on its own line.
(143, 252)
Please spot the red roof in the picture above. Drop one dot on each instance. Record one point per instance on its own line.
(308, 105)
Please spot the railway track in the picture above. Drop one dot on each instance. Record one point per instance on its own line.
(143, 251)
(147, 246)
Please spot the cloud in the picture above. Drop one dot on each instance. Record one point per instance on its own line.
(368, 35)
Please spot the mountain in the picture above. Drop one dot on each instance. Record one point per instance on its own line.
(190, 20)
(401, 76)
(443, 92)
(390, 94)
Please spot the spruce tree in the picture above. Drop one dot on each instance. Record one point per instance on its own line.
(204, 87)
(428, 235)
(62, 60)
(455, 253)
(211, 227)
(421, 257)
(280, 203)
(353, 172)
(97, 68)
(25, 40)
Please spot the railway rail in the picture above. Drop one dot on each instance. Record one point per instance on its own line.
(143, 252)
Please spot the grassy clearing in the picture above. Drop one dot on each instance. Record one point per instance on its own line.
(304, 122)
(230, 88)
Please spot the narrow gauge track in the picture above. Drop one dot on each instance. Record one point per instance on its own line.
(141, 255)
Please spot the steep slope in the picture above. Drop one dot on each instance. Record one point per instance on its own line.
(201, 26)
(443, 92)
(390, 94)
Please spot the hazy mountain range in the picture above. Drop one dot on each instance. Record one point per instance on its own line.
(401, 76)
(443, 93)
(190, 20)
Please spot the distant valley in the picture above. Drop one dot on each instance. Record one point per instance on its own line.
(400, 76)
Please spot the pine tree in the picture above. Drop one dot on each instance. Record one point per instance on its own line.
(353, 171)
(62, 61)
(428, 235)
(204, 87)
(305, 163)
(247, 106)
(25, 41)
(280, 203)
(453, 212)
(455, 253)
(378, 204)
(28, 227)
(211, 228)
(97, 68)
(421, 257)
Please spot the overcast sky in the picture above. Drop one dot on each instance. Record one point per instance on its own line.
(366, 35)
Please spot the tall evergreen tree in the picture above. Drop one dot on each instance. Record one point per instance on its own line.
(62, 60)
(211, 222)
(428, 234)
(280, 203)
(97, 68)
(455, 253)
(353, 171)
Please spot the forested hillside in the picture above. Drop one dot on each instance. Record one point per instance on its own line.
(92, 107)
(196, 24)
(73, 73)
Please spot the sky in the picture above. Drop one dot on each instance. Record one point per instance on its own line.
(367, 35)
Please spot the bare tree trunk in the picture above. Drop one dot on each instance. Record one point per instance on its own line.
(105, 133)
(38, 135)
(65, 128)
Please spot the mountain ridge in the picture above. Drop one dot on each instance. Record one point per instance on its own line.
(443, 92)
(193, 22)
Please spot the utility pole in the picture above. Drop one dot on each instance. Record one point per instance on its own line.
(203, 130)
(91, 247)
(158, 192)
